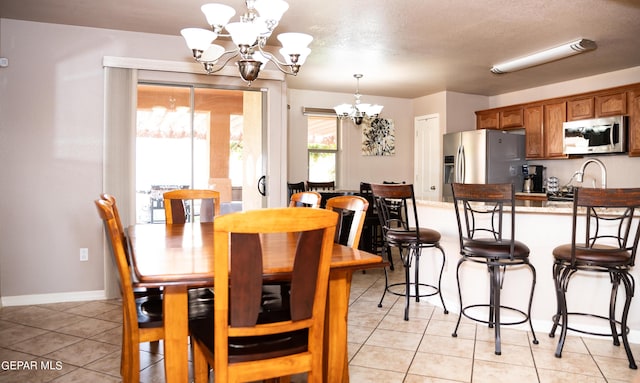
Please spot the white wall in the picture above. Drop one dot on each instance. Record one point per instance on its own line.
(51, 140)
(354, 166)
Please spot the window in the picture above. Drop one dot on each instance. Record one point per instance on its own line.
(322, 145)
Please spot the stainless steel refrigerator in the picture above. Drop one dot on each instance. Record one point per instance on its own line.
(482, 156)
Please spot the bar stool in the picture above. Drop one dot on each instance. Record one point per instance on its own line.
(609, 245)
(392, 201)
(480, 213)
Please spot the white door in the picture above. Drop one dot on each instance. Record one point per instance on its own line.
(252, 153)
(427, 154)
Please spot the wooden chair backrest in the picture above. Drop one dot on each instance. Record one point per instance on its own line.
(174, 204)
(119, 252)
(352, 210)
(238, 294)
(111, 199)
(305, 199)
(315, 186)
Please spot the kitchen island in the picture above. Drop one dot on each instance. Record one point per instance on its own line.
(542, 225)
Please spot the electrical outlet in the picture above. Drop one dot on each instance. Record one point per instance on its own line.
(84, 254)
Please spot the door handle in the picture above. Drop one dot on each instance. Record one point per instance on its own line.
(262, 185)
(433, 187)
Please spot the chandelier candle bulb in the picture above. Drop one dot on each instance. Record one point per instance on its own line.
(250, 36)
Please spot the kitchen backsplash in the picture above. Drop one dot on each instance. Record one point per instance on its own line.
(622, 170)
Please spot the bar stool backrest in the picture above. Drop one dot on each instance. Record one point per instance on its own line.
(480, 212)
(392, 202)
(610, 225)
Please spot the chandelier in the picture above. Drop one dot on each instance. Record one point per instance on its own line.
(358, 111)
(250, 36)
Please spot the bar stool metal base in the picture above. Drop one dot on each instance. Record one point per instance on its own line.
(406, 261)
(494, 306)
(619, 328)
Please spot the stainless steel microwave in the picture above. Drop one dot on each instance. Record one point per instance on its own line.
(598, 135)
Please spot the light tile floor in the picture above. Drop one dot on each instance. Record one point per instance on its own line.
(80, 342)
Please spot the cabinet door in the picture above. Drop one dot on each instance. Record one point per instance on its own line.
(580, 109)
(554, 116)
(534, 137)
(488, 119)
(511, 119)
(611, 105)
(634, 122)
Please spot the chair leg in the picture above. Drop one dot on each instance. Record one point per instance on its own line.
(563, 284)
(455, 330)
(200, 364)
(629, 287)
(416, 255)
(533, 286)
(615, 282)
(386, 287)
(407, 292)
(440, 279)
(556, 317)
(495, 306)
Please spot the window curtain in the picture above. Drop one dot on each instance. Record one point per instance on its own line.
(119, 153)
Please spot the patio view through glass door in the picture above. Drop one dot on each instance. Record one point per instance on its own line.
(197, 137)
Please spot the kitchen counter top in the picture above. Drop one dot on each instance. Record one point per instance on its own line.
(538, 206)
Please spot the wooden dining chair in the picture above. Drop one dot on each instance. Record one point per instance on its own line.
(305, 199)
(352, 210)
(179, 205)
(241, 342)
(137, 327)
(321, 186)
(148, 300)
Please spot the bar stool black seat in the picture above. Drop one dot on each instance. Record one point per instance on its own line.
(606, 241)
(480, 213)
(392, 201)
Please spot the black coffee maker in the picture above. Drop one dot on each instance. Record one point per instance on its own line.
(533, 178)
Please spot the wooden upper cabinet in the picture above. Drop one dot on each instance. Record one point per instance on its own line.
(554, 116)
(511, 118)
(580, 109)
(633, 97)
(611, 104)
(487, 119)
(533, 131)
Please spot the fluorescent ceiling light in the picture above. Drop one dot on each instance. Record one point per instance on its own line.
(553, 54)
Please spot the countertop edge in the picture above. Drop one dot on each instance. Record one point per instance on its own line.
(547, 207)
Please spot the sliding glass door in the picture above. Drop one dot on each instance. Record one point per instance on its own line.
(197, 137)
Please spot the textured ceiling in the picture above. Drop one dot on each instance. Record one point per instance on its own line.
(404, 48)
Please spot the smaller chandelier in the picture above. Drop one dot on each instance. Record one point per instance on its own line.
(358, 111)
(250, 36)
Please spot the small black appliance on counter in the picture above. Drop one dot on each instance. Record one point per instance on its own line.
(533, 178)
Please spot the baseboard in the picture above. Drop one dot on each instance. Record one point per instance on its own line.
(39, 299)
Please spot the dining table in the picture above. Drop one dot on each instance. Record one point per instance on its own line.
(178, 257)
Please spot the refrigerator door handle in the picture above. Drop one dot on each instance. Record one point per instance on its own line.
(461, 164)
(456, 178)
